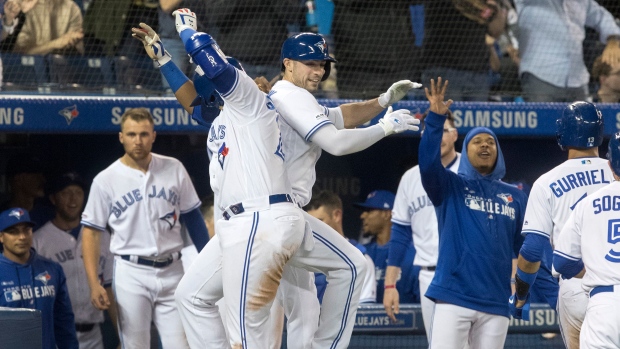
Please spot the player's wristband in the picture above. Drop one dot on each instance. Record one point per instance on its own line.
(389, 286)
(173, 75)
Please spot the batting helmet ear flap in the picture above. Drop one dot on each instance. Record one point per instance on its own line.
(328, 69)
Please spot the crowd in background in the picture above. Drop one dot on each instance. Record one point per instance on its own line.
(505, 57)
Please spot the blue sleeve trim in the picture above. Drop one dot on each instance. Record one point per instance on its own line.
(173, 75)
(226, 82)
(326, 111)
(528, 278)
(565, 266)
(539, 232)
(398, 221)
(400, 240)
(533, 247)
(196, 228)
(564, 255)
(316, 128)
(91, 225)
(196, 205)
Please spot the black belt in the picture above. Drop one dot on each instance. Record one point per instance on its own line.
(273, 199)
(599, 289)
(84, 327)
(152, 263)
(433, 268)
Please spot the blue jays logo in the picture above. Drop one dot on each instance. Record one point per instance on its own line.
(507, 198)
(221, 154)
(17, 213)
(44, 277)
(170, 218)
(322, 46)
(70, 113)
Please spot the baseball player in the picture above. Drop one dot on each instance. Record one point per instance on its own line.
(142, 197)
(34, 282)
(327, 207)
(61, 241)
(479, 219)
(552, 199)
(414, 219)
(585, 248)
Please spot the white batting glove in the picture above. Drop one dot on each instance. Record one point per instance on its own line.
(396, 92)
(184, 18)
(398, 121)
(152, 44)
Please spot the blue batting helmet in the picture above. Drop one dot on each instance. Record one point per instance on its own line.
(580, 126)
(613, 153)
(307, 47)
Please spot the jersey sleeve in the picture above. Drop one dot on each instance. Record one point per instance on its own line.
(302, 112)
(335, 116)
(97, 208)
(538, 216)
(245, 99)
(369, 288)
(569, 242)
(189, 197)
(400, 212)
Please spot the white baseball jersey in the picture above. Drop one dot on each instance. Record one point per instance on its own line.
(592, 234)
(60, 246)
(555, 194)
(413, 207)
(302, 117)
(141, 209)
(246, 148)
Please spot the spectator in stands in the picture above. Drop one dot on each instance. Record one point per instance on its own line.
(377, 221)
(608, 79)
(168, 33)
(327, 207)
(25, 175)
(374, 46)
(52, 26)
(455, 47)
(60, 240)
(253, 31)
(551, 35)
(32, 281)
(13, 19)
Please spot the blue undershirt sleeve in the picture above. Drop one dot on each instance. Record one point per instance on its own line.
(196, 228)
(400, 240)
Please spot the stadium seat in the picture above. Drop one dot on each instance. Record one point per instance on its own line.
(24, 72)
(81, 73)
(137, 75)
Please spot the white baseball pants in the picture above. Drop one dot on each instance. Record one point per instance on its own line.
(572, 304)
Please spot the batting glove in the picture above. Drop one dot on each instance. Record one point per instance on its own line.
(152, 44)
(398, 121)
(519, 313)
(396, 92)
(184, 18)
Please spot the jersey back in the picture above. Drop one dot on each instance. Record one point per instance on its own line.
(556, 193)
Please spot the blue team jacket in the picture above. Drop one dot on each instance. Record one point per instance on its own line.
(480, 219)
(40, 284)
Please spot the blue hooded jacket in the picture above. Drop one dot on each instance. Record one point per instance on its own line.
(40, 284)
(480, 219)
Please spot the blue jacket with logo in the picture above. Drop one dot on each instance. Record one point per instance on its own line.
(480, 219)
(40, 284)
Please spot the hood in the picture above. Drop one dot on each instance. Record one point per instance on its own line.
(7, 261)
(465, 167)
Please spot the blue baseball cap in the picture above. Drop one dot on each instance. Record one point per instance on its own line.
(378, 200)
(14, 216)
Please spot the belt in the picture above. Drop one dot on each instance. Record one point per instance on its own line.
(239, 208)
(155, 263)
(599, 289)
(84, 327)
(433, 268)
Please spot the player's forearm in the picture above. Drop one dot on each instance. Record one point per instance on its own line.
(391, 275)
(91, 242)
(527, 266)
(343, 142)
(186, 94)
(432, 172)
(112, 311)
(359, 113)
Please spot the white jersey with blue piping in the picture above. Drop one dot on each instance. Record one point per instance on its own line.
(141, 209)
(244, 142)
(555, 194)
(591, 234)
(302, 116)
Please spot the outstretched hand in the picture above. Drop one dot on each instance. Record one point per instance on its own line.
(436, 96)
(184, 18)
(152, 43)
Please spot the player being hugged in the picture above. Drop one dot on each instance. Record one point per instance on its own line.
(586, 249)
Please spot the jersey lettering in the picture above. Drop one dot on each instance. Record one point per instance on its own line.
(65, 255)
(606, 203)
(576, 180)
(15, 294)
(216, 135)
(419, 203)
(487, 205)
(613, 238)
(135, 196)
